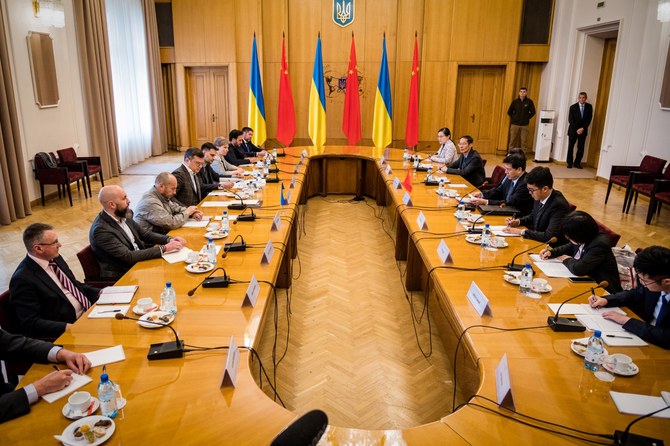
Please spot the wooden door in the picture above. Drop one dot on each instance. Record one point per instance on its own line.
(600, 109)
(208, 106)
(478, 105)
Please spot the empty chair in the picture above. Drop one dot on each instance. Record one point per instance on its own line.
(660, 193)
(619, 174)
(14, 368)
(47, 171)
(497, 176)
(92, 269)
(90, 165)
(613, 236)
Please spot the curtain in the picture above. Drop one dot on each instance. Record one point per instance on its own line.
(159, 131)
(127, 48)
(14, 193)
(96, 77)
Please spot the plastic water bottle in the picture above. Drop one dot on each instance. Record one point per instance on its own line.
(594, 351)
(266, 167)
(274, 153)
(486, 238)
(405, 155)
(169, 299)
(416, 161)
(210, 249)
(460, 211)
(107, 396)
(225, 223)
(526, 279)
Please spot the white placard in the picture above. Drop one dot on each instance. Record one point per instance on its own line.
(504, 385)
(253, 290)
(388, 169)
(268, 252)
(232, 362)
(421, 221)
(288, 197)
(396, 183)
(444, 252)
(276, 222)
(297, 167)
(382, 161)
(292, 185)
(407, 199)
(479, 300)
(303, 154)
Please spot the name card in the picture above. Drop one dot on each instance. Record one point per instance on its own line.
(232, 363)
(288, 197)
(407, 199)
(388, 169)
(504, 385)
(253, 290)
(276, 222)
(479, 300)
(421, 221)
(444, 252)
(268, 252)
(297, 167)
(303, 155)
(382, 161)
(292, 185)
(396, 183)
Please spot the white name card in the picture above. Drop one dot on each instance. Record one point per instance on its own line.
(276, 222)
(396, 183)
(444, 252)
(303, 154)
(407, 199)
(504, 385)
(382, 161)
(421, 221)
(479, 300)
(253, 290)
(268, 252)
(292, 185)
(388, 169)
(288, 197)
(297, 167)
(232, 363)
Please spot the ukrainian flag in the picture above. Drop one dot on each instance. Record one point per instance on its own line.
(382, 124)
(256, 102)
(317, 101)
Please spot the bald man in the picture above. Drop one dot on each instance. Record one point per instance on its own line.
(158, 212)
(118, 242)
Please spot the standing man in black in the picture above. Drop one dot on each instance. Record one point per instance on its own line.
(579, 119)
(520, 112)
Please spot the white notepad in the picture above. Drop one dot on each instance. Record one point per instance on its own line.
(108, 311)
(635, 404)
(77, 382)
(106, 355)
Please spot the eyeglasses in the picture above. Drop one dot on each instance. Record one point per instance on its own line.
(533, 190)
(647, 282)
(48, 244)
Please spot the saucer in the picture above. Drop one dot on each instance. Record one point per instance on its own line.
(136, 309)
(546, 289)
(512, 278)
(578, 346)
(75, 415)
(632, 370)
(200, 267)
(216, 235)
(146, 320)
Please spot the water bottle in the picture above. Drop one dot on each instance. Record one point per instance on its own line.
(210, 249)
(416, 161)
(107, 397)
(440, 188)
(274, 153)
(594, 352)
(266, 168)
(526, 279)
(169, 299)
(460, 211)
(225, 223)
(486, 238)
(405, 155)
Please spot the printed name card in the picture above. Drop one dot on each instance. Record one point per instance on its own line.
(407, 199)
(268, 252)
(388, 169)
(479, 300)
(292, 185)
(421, 221)
(303, 154)
(288, 197)
(444, 252)
(504, 385)
(382, 161)
(396, 183)
(276, 222)
(251, 295)
(297, 167)
(232, 363)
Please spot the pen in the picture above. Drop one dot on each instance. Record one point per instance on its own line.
(615, 336)
(109, 311)
(56, 367)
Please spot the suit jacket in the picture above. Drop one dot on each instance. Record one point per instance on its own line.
(38, 304)
(546, 222)
(235, 156)
(249, 148)
(186, 195)
(576, 121)
(14, 403)
(519, 199)
(597, 261)
(156, 213)
(472, 168)
(209, 179)
(222, 167)
(642, 302)
(114, 250)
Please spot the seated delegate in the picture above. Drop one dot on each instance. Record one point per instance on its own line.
(469, 165)
(512, 191)
(447, 153)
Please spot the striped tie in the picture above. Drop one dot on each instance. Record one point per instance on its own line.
(68, 285)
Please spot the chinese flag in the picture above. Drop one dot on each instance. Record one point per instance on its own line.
(408, 181)
(286, 112)
(351, 121)
(412, 129)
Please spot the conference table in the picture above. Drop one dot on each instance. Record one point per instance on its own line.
(183, 401)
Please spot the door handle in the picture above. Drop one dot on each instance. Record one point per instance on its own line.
(472, 116)
(213, 117)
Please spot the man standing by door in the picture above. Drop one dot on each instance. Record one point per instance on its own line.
(520, 112)
(579, 119)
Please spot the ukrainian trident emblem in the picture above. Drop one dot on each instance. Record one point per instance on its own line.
(343, 12)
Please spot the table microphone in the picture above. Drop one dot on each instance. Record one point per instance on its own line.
(234, 246)
(563, 324)
(212, 282)
(246, 217)
(276, 177)
(237, 207)
(162, 350)
(518, 267)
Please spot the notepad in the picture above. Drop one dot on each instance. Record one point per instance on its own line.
(583, 309)
(597, 322)
(626, 339)
(635, 404)
(77, 382)
(551, 268)
(499, 231)
(177, 256)
(108, 311)
(190, 223)
(106, 355)
(117, 295)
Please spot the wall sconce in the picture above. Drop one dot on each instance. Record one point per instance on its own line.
(663, 12)
(51, 12)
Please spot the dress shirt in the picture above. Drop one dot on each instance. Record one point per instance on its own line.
(194, 181)
(659, 305)
(126, 229)
(44, 264)
(31, 392)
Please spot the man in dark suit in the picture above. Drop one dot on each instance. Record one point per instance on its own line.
(650, 300)
(550, 208)
(45, 297)
(512, 191)
(469, 165)
(235, 155)
(207, 174)
(190, 188)
(248, 147)
(579, 119)
(118, 242)
(14, 403)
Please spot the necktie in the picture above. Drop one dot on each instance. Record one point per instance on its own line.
(460, 167)
(510, 188)
(665, 309)
(581, 109)
(68, 285)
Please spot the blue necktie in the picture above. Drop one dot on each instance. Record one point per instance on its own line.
(665, 309)
(510, 189)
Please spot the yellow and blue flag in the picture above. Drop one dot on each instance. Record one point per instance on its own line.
(317, 101)
(382, 124)
(256, 102)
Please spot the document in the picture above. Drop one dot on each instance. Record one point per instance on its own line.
(635, 404)
(77, 382)
(552, 267)
(597, 322)
(626, 339)
(107, 311)
(106, 355)
(499, 231)
(583, 309)
(190, 223)
(225, 204)
(116, 298)
(177, 256)
(119, 289)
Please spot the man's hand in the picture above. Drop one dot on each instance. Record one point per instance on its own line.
(174, 244)
(53, 382)
(77, 362)
(197, 215)
(597, 301)
(512, 222)
(616, 317)
(510, 230)
(478, 201)
(545, 254)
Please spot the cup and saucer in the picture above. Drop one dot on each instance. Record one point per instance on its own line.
(620, 364)
(80, 405)
(540, 285)
(144, 306)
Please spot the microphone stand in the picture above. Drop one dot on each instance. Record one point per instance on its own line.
(212, 282)
(234, 206)
(246, 217)
(472, 229)
(233, 246)
(564, 324)
(515, 267)
(163, 350)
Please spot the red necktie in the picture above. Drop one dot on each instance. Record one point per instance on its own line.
(68, 285)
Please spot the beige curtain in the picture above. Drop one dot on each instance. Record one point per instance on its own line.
(14, 193)
(96, 73)
(158, 128)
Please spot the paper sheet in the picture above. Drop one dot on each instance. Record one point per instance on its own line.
(583, 309)
(117, 298)
(498, 231)
(626, 339)
(119, 289)
(597, 322)
(552, 267)
(196, 224)
(106, 355)
(458, 185)
(107, 311)
(77, 382)
(635, 404)
(177, 256)
(225, 204)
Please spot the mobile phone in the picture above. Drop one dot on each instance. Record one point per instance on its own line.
(581, 279)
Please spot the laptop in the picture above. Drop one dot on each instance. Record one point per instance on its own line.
(494, 209)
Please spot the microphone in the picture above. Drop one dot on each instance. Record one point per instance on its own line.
(276, 178)
(472, 229)
(237, 207)
(245, 217)
(626, 438)
(429, 181)
(307, 429)
(562, 324)
(233, 246)
(516, 267)
(212, 282)
(163, 350)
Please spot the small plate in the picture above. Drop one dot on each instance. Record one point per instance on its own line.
(72, 415)
(475, 239)
(200, 267)
(68, 433)
(512, 278)
(578, 346)
(546, 289)
(216, 235)
(632, 370)
(136, 309)
(154, 316)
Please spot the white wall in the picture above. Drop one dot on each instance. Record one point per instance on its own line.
(635, 124)
(49, 129)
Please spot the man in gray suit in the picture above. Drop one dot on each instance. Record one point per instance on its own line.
(118, 242)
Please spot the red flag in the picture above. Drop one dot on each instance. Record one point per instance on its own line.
(408, 181)
(286, 113)
(412, 129)
(351, 121)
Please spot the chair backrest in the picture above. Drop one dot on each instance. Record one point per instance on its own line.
(89, 263)
(305, 431)
(613, 236)
(652, 164)
(483, 162)
(67, 155)
(6, 313)
(44, 161)
(497, 175)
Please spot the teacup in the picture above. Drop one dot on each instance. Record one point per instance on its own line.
(145, 303)
(619, 362)
(497, 242)
(538, 285)
(79, 401)
(192, 257)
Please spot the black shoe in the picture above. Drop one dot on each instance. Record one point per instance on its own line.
(569, 166)
(578, 166)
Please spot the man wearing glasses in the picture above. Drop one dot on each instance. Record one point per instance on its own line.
(45, 297)
(650, 300)
(512, 191)
(190, 188)
(549, 210)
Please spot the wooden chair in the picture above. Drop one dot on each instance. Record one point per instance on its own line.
(90, 167)
(619, 175)
(643, 183)
(51, 173)
(494, 180)
(14, 368)
(613, 236)
(660, 193)
(92, 269)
